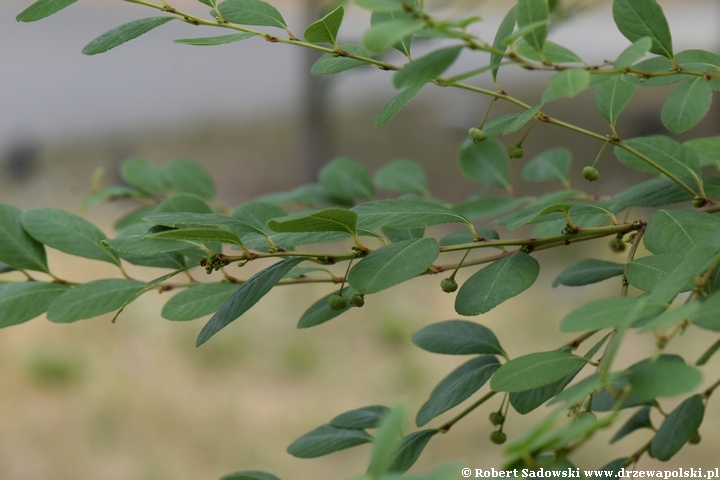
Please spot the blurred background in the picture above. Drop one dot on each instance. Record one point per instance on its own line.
(137, 400)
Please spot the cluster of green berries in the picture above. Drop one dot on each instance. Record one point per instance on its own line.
(338, 302)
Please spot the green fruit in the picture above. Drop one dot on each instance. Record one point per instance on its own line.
(476, 135)
(448, 285)
(617, 245)
(337, 302)
(498, 437)
(515, 151)
(357, 300)
(591, 174)
(497, 418)
(695, 439)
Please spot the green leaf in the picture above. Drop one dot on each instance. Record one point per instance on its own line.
(498, 125)
(183, 202)
(393, 264)
(634, 52)
(123, 33)
(328, 220)
(693, 265)
(347, 178)
(643, 273)
(644, 18)
(552, 52)
(20, 302)
(606, 313)
(133, 218)
(482, 208)
(404, 213)
(258, 214)
(249, 475)
(42, 9)
(92, 299)
(198, 301)
(327, 439)
(330, 63)
(410, 450)
(381, 5)
(326, 29)
(457, 337)
(387, 441)
(424, 69)
(612, 97)
(143, 175)
(68, 233)
(246, 297)
(383, 35)
(687, 105)
(673, 156)
(186, 219)
(17, 248)
(530, 12)
(678, 428)
(366, 417)
(400, 234)
(570, 82)
(486, 162)
(499, 281)
(672, 316)
(665, 377)
(640, 419)
(189, 177)
(708, 149)
(550, 165)
(709, 314)
(141, 245)
(197, 235)
(396, 104)
(402, 175)
(522, 119)
(588, 271)
(457, 387)
(528, 400)
(111, 193)
(320, 311)
(651, 193)
(534, 370)
(504, 31)
(251, 12)
(679, 231)
(209, 3)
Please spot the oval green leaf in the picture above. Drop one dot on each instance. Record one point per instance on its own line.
(458, 337)
(678, 428)
(251, 12)
(123, 33)
(17, 248)
(92, 299)
(327, 439)
(535, 370)
(246, 297)
(23, 301)
(393, 264)
(198, 301)
(499, 281)
(68, 233)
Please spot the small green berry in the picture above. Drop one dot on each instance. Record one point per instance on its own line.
(695, 439)
(337, 302)
(497, 418)
(699, 202)
(515, 151)
(617, 245)
(591, 174)
(476, 135)
(498, 437)
(448, 285)
(357, 300)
